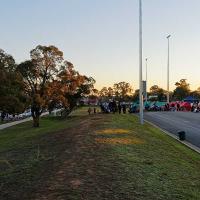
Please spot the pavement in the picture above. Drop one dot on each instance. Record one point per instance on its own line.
(173, 122)
(9, 124)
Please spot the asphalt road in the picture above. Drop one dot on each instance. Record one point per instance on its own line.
(178, 121)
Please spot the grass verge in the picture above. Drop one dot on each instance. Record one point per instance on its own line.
(95, 157)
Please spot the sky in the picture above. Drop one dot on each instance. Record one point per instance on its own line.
(100, 37)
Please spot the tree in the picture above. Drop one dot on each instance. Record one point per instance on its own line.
(110, 92)
(39, 75)
(103, 94)
(93, 95)
(182, 89)
(74, 85)
(87, 86)
(196, 93)
(155, 90)
(12, 98)
(122, 90)
(136, 95)
(106, 93)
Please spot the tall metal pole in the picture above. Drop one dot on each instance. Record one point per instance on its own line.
(146, 81)
(168, 70)
(140, 63)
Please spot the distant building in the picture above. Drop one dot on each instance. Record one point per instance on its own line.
(89, 101)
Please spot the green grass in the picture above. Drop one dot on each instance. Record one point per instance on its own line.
(159, 168)
(23, 133)
(95, 157)
(26, 152)
(2, 122)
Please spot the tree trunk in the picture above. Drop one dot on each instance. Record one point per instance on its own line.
(65, 112)
(36, 121)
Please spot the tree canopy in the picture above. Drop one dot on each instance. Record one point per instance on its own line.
(52, 81)
(155, 90)
(182, 89)
(12, 97)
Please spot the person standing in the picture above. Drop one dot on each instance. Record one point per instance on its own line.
(119, 108)
(178, 106)
(114, 106)
(124, 108)
(89, 110)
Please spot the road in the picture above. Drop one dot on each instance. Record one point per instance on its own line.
(178, 121)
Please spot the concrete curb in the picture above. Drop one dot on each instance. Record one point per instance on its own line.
(191, 146)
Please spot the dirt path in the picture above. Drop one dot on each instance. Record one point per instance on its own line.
(76, 172)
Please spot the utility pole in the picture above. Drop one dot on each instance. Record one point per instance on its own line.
(168, 70)
(146, 80)
(140, 64)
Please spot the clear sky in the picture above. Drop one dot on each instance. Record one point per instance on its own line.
(100, 37)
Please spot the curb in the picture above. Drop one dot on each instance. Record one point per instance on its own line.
(191, 146)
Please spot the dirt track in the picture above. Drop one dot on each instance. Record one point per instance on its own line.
(78, 171)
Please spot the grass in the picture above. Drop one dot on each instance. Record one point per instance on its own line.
(95, 157)
(2, 122)
(157, 167)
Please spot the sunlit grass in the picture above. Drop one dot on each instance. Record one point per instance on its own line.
(112, 131)
(111, 136)
(115, 141)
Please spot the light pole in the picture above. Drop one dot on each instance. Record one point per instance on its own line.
(168, 70)
(146, 80)
(140, 63)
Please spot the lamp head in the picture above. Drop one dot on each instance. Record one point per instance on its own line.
(168, 36)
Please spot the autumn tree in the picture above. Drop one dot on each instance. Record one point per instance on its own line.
(39, 74)
(87, 87)
(182, 89)
(122, 90)
(74, 85)
(12, 98)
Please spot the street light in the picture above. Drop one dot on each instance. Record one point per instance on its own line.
(168, 70)
(146, 80)
(140, 63)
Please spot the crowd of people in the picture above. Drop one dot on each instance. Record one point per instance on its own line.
(110, 107)
(113, 107)
(195, 107)
(122, 107)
